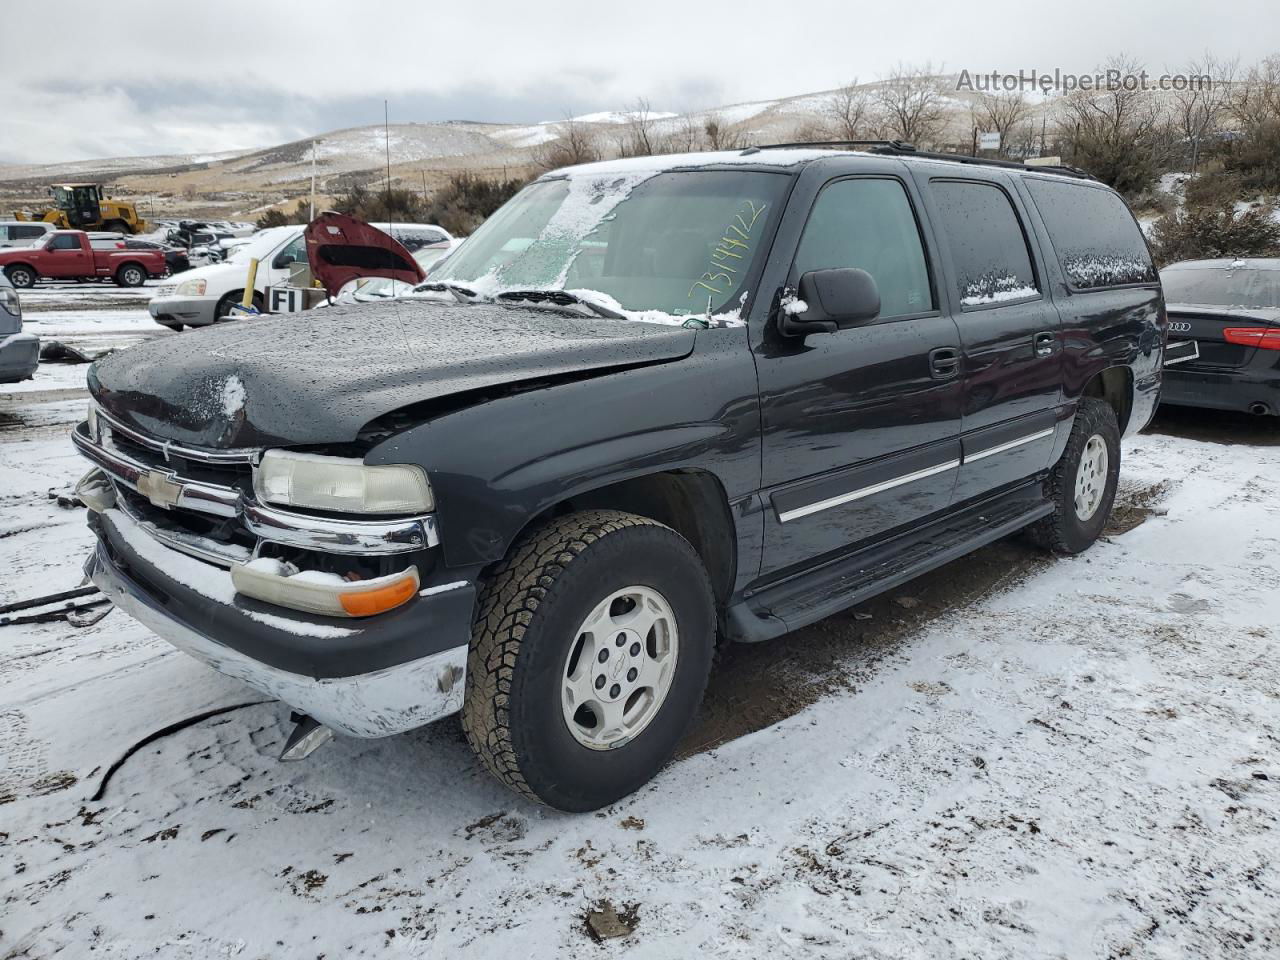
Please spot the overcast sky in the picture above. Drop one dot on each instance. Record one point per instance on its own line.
(83, 80)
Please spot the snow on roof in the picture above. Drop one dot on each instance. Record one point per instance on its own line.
(673, 161)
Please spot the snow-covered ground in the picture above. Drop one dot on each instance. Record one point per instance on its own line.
(93, 318)
(1082, 763)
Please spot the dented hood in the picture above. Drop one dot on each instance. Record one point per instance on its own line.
(319, 377)
(341, 249)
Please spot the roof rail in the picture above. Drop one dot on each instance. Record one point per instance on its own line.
(900, 148)
(897, 145)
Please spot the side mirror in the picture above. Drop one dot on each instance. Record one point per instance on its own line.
(833, 300)
(281, 261)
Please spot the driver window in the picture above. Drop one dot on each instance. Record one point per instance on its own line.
(868, 223)
(64, 242)
(294, 252)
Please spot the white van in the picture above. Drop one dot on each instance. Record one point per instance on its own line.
(207, 293)
(23, 233)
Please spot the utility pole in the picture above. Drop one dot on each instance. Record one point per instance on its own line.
(386, 128)
(312, 214)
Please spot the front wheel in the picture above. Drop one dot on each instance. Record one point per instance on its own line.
(1082, 485)
(21, 277)
(589, 657)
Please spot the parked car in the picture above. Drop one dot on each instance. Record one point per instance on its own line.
(20, 233)
(208, 293)
(1228, 311)
(175, 258)
(655, 402)
(19, 350)
(70, 255)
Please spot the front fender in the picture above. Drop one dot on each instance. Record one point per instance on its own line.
(499, 463)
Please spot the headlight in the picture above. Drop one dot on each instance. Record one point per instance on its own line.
(191, 288)
(340, 484)
(9, 301)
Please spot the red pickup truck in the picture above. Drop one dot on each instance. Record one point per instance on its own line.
(69, 255)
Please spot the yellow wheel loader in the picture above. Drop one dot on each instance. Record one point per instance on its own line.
(81, 206)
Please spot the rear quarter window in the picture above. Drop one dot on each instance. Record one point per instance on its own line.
(989, 253)
(1096, 239)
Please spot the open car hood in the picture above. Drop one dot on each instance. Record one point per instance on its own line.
(341, 249)
(319, 377)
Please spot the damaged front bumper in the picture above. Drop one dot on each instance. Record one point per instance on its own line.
(366, 678)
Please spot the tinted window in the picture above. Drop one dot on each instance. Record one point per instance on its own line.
(988, 248)
(1226, 286)
(26, 233)
(869, 224)
(65, 242)
(1094, 235)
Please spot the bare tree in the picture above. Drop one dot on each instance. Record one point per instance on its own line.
(850, 111)
(912, 104)
(1114, 133)
(575, 143)
(1000, 113)
(1200, 109)
(721, 135)
(638, 134)
(1256, 99)
(686, 137)
(812, 130)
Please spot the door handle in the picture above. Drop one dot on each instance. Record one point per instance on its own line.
(1045, 343)
(944, 363)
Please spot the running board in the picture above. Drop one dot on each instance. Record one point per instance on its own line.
(813, 595)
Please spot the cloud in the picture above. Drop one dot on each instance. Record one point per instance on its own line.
(228, 75)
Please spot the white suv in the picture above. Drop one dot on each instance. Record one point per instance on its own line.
(205, 294)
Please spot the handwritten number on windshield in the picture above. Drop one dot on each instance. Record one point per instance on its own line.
(731, 250)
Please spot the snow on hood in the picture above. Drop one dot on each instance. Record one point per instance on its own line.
(320, 377)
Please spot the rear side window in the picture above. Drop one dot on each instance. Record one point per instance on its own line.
(1097, 241)
(26, 233)
(869, 224)
(988, 248)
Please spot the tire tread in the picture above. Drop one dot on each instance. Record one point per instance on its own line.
(507, 603)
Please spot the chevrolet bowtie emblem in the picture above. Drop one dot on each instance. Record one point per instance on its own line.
(159, 488)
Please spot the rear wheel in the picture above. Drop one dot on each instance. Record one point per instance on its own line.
(131, 275)
(117, 226)
(589, 656)
(21, 277)
(1082, 486)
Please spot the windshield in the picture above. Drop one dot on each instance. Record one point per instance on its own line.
(261, 244)
(1222, 286)
(677, 243)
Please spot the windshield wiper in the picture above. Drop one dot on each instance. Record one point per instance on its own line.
(460, 293)
(559, 298)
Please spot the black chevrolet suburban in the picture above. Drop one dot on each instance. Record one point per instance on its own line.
(649, 406)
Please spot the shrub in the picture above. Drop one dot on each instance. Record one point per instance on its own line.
(1204, 232)
(461, 205)
(1255, 158)
(1213, 190)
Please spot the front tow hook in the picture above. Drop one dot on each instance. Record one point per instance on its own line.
(308, 736)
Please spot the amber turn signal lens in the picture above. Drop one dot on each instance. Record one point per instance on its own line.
(368, 603)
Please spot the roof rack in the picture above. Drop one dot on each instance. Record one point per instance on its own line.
(900, 148)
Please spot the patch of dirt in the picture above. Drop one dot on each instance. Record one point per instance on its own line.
(756, 685)
(606, 922)
(1133, 507)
